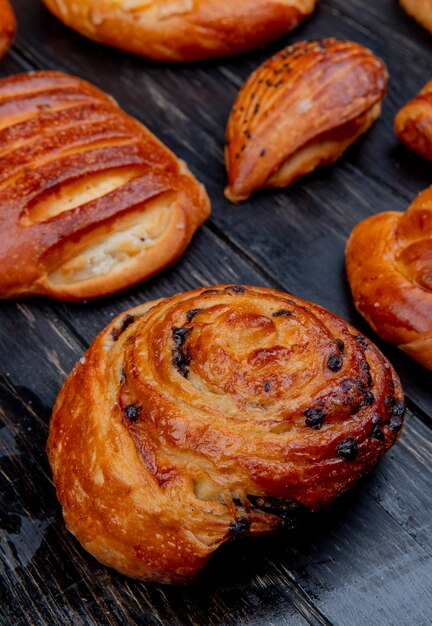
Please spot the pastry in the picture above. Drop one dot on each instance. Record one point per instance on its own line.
(7, 26)
(420, 10)
(389, 267)
(182, 30)
(300, 110)
(413, 123)
(90, 201)
(218, 413)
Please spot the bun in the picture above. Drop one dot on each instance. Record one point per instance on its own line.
(182, 30)
(420, 10)
(221, 412)
(90, 201)
(389, 267)
(413, 123)
(300, 110)
(7, 26)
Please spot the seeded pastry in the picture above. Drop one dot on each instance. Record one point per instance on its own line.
(7, 26)
(389, 267)
(300, 110)
(420, 10)
(90, 201)
(219, 413)
(413, 124)
(182, 30)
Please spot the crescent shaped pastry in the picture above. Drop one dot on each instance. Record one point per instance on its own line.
(7, 26)
(217, 413)
(90, 201)
(389, 267)
(420, 10)
(301, 109)
(413, 123)
(182, 30)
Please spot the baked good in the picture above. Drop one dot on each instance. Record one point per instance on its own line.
(413, 123)
(420, 10)
(90, 201)
(389, 267)
(217, 413)
(182, 30)
(300, 110)
(7, 26)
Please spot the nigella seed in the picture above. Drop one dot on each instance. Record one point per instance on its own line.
(267, 385)
(340, 344)
(240, 527)
(126, 321)
(315, 417)
(361, 341)
(282, 313)
(132, 412)
(334, 363)
(193, 313)
(236, 289)
(348, 449)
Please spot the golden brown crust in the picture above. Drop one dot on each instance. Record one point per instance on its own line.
(389, 267)
(420, 10)
(301, 109)
(90, 201)
(7, 26)
(214, 413)
(182, 30)
(413, 123)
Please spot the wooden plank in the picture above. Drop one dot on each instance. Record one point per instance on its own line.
(298, 235)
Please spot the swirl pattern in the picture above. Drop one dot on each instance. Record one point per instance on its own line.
(212, 414)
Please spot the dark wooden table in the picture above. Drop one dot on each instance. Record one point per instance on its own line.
(367, 559)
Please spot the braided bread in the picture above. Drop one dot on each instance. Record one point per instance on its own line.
(216, 413)
(90, 201)
(420, 10)
(389, 267)
(300, 110)
(182, 30)
(7, 26)
(413, 123)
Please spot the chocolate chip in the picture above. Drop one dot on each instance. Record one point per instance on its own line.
(180, 335)
(193, 313)
(267, 385)
(340, 344)
(364, 366)
(181, 358)
(361, 340)
(315, 417)
(132, 412)
(236, 289)
(377, 433)
(126, 321)
(334, 363)
(282, 313)
(263, 152)
(397, 416)
(348, 449)
(369, 399)
(240, 527)
(237, 501)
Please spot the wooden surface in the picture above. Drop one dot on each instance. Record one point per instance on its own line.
(367, 559)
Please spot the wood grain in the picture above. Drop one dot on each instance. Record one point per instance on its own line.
(365, 560)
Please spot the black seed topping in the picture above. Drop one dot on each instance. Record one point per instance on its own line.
(192, 313)
(267, 385)
(132, 412)
(397, 416)
(361, 340)
(334, 363)
(236, 289)
(181, 358)
(209, 291)
(127, 321)
(340, 344)
(348, 449)
(315, 417)
(240, 527)
(282, 313)
(377, 433)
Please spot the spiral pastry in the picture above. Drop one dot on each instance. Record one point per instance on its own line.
(413, 123)
(213, 414)
(389, 267)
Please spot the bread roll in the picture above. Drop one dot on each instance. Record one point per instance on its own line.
(413, 123)
(7, 26)
(218, 413)
(90, 201)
